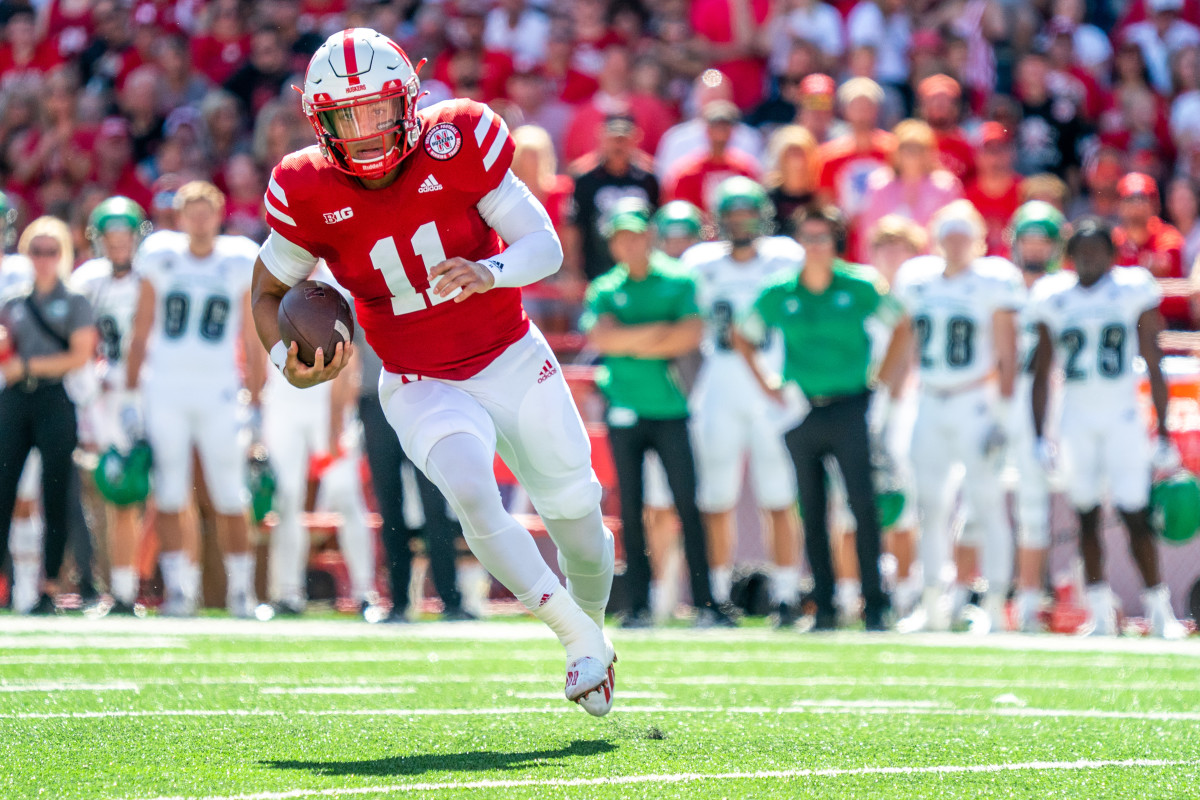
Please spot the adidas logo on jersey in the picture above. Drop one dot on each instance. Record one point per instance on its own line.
(548, 371)
(430, 184)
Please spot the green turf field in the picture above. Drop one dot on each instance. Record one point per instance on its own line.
(297, 709)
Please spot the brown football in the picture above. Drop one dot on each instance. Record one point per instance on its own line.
(314, 314)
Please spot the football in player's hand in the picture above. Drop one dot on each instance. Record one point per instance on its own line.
(314, 314)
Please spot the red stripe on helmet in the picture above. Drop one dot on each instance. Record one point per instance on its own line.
(350, 57)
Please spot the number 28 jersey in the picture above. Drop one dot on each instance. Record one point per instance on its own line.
(952, 317)
(381, 243)
(1095, 329)
(198, 306)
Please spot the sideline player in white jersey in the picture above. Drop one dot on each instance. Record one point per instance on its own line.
(116, 227)
(732, 416)
(963, 308)
(25, 543)
(1094, 322)
(192, 311)
(1038, 232)
(299, 424)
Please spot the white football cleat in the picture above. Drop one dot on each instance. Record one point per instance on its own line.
(1156, 603)
(242, 605)
(932, 615)
(598, 700)
(1104, 614)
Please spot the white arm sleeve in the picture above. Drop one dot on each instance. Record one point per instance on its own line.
(288, 262)
(534, 251)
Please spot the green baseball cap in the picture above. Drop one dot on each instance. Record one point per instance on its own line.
(628, 214)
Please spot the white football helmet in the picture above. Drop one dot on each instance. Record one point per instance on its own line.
(361, 86)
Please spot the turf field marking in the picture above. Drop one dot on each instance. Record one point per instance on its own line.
(691, 777)
(998, 661)
(301, 690)
(66, 686)
(90, 642)
(874, 709)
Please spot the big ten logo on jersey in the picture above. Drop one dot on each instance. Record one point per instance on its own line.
(443, 141)
(339, 216)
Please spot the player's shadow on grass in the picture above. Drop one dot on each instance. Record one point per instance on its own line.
(447, 762)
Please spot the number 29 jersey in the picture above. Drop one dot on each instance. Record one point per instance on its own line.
(198, 307)
(1095, 329)
(381, 243)
(952, 317)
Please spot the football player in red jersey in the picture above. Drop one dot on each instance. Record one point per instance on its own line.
(410, 209)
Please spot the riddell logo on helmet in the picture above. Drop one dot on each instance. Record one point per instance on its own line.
(338, 216)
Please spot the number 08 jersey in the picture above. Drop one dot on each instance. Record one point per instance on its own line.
(198, 306)
(381, 243)
(1095, 329)
(952, 317)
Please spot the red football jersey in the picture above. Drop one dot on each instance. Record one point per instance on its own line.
(381, 243)
(1162, 254)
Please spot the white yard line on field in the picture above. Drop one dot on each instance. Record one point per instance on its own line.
(691, 777)
(917, 658)
(509, 630)
(830, 708)
(90, 642)
(302, 690)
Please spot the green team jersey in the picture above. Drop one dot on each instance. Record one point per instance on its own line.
(827, 345)
(646, 386)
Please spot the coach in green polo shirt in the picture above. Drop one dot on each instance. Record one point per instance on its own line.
(641, 314)
(823, 314)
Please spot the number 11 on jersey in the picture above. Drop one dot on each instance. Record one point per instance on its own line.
(385, 257)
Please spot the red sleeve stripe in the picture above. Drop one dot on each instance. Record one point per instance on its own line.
(269, 202)
(497, 145)
(485, 122)
(277, 191)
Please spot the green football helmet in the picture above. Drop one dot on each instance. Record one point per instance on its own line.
(678, 218)
(8, 222)
(1175, 507)
(123, 479)
(890, 505)
(1041, 219)
(260, 480)
(117, 212)
(739, 193)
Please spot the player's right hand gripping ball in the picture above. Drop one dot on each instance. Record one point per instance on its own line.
(315, 315)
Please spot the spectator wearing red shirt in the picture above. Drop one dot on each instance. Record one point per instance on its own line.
(697, 177)
(847, 161)
(995, 190)
(470, 63)
(653, 116)
(220, 52)
(939, 97)
(22, 54)
(113, 168)
(728, 29)
(1144, 239)
(68, 25)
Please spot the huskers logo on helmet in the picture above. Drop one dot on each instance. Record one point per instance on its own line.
(360, 95)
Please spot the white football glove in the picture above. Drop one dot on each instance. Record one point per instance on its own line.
(133, 421)
(1046, 453)
(997, 436)
(1166, 459)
